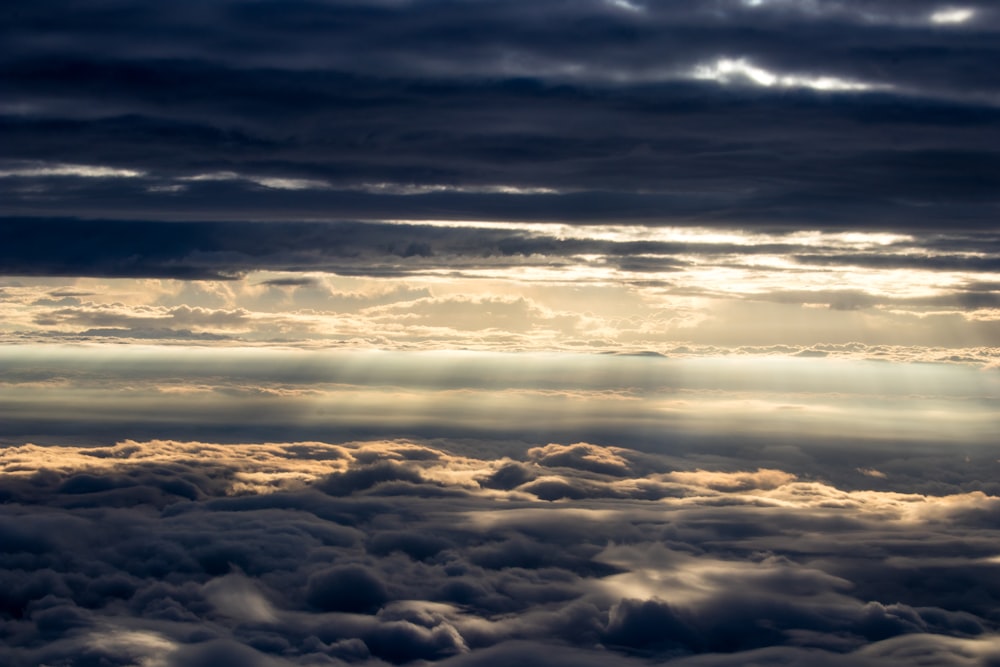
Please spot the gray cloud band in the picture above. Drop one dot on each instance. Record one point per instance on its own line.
(229, 249)
(749, 113)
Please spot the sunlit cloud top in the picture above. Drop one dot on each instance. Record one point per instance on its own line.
(732, 70)
(30, 170)
(953, 15)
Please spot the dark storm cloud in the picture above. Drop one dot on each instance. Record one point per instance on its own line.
(149, 554)
(592, 100)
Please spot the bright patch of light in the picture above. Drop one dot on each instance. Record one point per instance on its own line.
(144, 642)
(78, 170)
(494, 519)
(428, 188)
(388, 188)
(687, 235)
(626, 5)
(809, 6)
(732, 70)
(214, 176)
(952, 15)
(848, 240)
(725, 69)
(291, 183)
(509, 190)
(612, 233)
(401, 188)
(275, 183)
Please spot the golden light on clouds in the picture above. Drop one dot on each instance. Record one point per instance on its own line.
(613, 287)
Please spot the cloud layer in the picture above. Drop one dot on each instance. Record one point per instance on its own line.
(603, 332)
(393, 551)
(849, 421)
(750, 113)
(502, 286)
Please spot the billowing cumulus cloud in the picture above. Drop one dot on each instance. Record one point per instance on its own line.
(374, 552)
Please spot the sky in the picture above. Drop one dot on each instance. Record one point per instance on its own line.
(468, 332)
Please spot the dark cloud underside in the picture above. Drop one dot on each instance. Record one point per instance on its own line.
(834, 114)
(227, 249)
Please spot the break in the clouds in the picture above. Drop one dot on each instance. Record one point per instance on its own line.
(603, 332)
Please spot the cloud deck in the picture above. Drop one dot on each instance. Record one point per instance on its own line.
(605, 332)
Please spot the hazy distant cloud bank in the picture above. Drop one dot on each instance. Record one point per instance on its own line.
(804, 414)
(171, 553)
